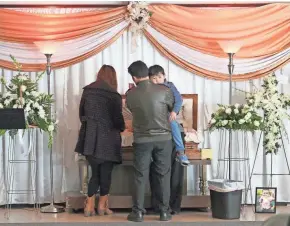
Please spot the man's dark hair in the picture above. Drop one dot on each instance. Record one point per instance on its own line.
(156, 69)
(138, 69)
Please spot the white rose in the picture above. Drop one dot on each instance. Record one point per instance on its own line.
(27, 108)
(34, 93)
(256, 123)
(274, 129)
(36, 105)
(237, 105)
(236, 111)
(41, 113)
(251, 101)
(228, 111)
(23, 88)
(246, 106)
(1, 105)
(15, 106)
(213, 121)
(248, 116)
(241, 121)
(22, 78)
(50, 128)
(6, 102)
(224, 122)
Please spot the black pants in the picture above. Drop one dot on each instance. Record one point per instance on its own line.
(176, 185)
(101, 177)
(144, 153)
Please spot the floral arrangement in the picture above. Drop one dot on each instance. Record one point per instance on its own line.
(274, 106)
(138, 16)
(235, 117)
(22, 92)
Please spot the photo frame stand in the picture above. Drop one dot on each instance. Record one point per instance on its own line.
(13, 120)
(30, 162)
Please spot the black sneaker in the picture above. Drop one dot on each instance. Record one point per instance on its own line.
(135, 216)
(165, 216)
(174, 212)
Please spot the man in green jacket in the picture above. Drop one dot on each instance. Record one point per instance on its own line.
(150, 105)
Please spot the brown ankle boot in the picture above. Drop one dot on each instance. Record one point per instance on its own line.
(89, 209)
(103, 206)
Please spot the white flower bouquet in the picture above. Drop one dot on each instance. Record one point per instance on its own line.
(274, 106)
(21, 92)
(235, 117)
(138, 16)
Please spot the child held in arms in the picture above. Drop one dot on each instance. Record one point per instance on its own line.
(157, 76)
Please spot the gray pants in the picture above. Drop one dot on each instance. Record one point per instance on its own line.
(160, 152)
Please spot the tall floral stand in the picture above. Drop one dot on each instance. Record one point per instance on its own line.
(10, 175)
(240, 161)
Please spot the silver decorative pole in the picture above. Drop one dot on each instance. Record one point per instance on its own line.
(230, 47)
(47, 48)
(231, 70)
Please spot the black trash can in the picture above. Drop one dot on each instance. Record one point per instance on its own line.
(226, 205)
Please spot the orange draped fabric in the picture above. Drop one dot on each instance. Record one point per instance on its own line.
(211, 74)
(263, 30)
(27, 27)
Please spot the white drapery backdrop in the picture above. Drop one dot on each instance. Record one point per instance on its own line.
(67, 84)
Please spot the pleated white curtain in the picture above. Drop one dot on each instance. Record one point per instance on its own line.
(67, 84)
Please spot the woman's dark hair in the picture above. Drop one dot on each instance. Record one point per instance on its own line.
(155, 70)
(108, 74)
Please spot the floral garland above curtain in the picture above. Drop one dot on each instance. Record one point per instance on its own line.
(138, 17)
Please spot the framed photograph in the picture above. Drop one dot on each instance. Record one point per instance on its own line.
(265, 201)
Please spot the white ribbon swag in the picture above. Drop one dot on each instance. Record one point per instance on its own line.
(29, 53)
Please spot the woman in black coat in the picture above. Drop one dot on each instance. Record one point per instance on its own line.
(99, 137)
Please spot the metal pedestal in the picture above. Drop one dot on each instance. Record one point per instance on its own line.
(239, 159)
(12, 161)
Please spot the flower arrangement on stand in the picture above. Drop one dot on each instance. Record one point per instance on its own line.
(274, 105)
(236, 117)
(21, 92)
(138, 16)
